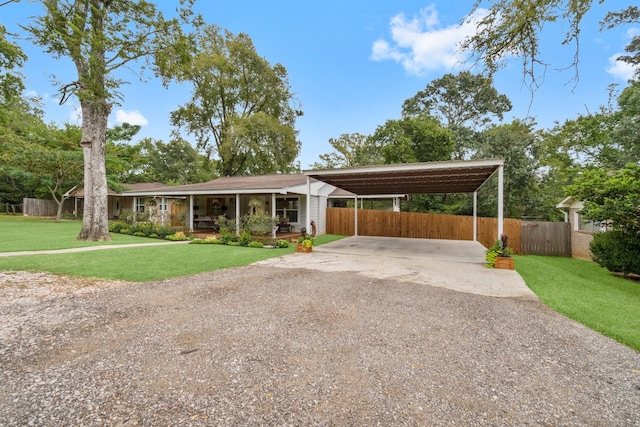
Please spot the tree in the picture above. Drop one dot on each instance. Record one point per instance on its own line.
(241, 109)
(465, 99)
(174, 163)
(349, 150)
(464, 103)
(47, 168)
(100, 37)
(12, 57)
(515, 143)
(626, 131)
(514, 28)
(413, 139)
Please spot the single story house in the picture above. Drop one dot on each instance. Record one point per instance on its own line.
(117, 202)
(581, 229)
(282, 195)
(302, 198)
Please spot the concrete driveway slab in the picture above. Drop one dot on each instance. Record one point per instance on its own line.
(451, 264)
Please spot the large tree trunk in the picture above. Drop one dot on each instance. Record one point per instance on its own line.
(95, 222)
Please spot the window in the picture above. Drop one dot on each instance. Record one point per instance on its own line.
(287, 207)
(162, 205)
(140, 203)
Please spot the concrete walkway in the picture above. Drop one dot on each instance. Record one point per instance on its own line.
(88, 248)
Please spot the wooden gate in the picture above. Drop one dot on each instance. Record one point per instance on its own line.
(546, 238)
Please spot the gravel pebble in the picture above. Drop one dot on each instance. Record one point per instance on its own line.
(262, 345)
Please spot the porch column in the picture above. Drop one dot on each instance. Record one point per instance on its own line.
(191, 213)
(500, 201)
(273, 205)
(475, 216)
(396, 204)
(135, 209)
(237, 214)
(163, 202)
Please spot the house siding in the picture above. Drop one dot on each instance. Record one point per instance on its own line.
(580, 240)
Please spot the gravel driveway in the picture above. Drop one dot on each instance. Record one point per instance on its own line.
(263, 345)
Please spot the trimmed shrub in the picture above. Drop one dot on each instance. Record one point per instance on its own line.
(245, 238)
(179, 236)
(282, 244)
(255, 244)
(617, 251)
(116, 227)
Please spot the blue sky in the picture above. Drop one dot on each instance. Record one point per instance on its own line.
(352, 64)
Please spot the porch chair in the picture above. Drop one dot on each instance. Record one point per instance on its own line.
(284, 225)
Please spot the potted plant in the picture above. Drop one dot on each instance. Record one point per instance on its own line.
(304, 243)
(499, 255)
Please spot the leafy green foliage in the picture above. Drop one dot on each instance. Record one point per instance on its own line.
(515, 143)
(413, 139)
(350, 150)
(141, 229)
(174, 163)
(464, 99)
(242, 107)
(617, 251)
(499, 249)
(613, 198)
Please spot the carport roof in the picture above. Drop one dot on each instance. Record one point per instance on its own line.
(411, 178)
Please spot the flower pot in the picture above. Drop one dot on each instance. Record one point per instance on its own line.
(303, 248)
(506, 263)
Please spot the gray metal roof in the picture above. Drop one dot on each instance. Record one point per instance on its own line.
(411, 178)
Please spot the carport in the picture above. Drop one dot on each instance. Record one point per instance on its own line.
(416, 178)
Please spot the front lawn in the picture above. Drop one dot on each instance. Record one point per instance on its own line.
(136, 264)
(19, 233)
(587, 293)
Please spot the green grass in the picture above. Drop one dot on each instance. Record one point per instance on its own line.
(587, 293)
(18, 233)
(137, 264)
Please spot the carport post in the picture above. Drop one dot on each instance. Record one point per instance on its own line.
(475, 216)
(355, 216)
(500, 201)
(308, 221)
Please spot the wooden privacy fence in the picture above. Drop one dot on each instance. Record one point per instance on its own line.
(40, 207)
(546, 238)
(422, 226)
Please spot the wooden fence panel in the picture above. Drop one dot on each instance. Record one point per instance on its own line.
(421, 225)
(546, 238)
(45, 208)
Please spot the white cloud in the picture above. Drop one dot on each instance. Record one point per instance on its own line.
(421, 44)
(620, 69)
(132, 117)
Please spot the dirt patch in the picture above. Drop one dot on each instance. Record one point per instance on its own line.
(262, 345)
